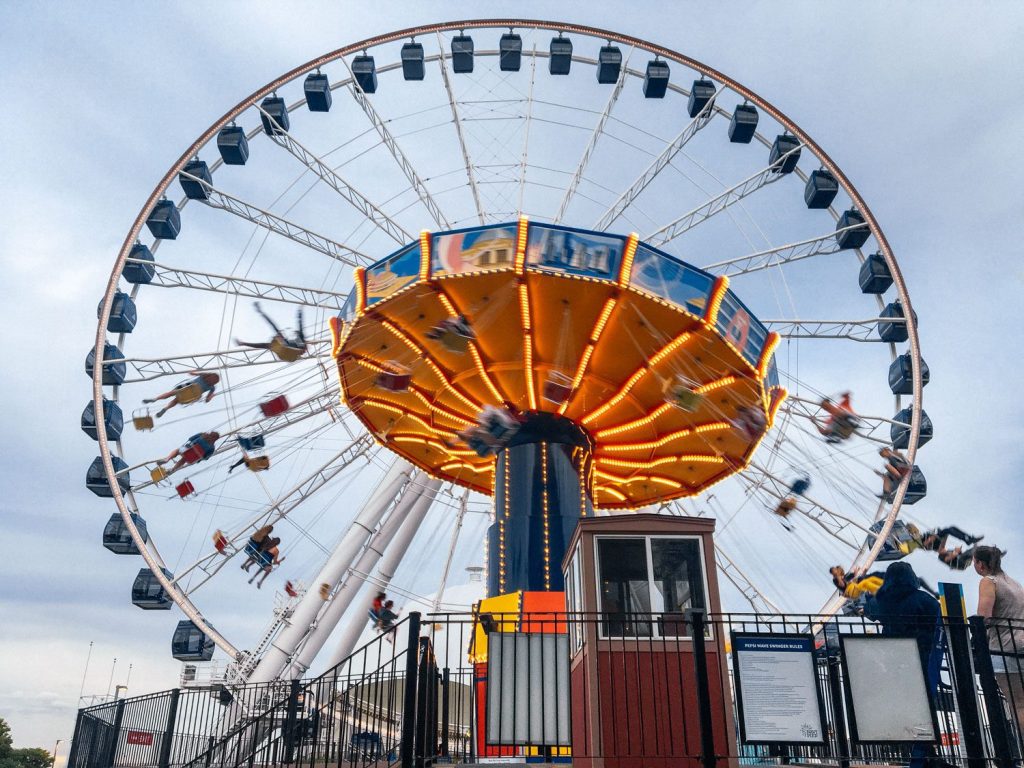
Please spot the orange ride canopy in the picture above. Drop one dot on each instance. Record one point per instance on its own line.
(654, 358)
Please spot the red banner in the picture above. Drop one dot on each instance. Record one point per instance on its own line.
(139, 737)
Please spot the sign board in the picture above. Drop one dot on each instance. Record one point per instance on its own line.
(528, 689)
(875, 668)
(777, 689)
(145, 738)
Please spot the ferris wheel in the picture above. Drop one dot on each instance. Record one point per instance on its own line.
(361, 290)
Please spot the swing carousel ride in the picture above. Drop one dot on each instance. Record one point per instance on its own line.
(542, 271)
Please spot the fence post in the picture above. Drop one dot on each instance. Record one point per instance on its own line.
(835, 688)
(695, 618)
(115, 734)
(963, 676)
(289, 723)
(997, 723)
(409, 704)
(75, 738)
(445, 704)
(172, 716)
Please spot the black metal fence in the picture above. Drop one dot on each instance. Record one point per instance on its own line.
(464, 689)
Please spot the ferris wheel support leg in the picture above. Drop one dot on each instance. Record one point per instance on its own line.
(281, 650)
(394, 535)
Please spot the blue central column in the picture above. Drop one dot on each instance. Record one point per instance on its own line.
(542, 486)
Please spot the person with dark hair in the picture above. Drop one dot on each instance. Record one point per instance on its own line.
(905, 610)
(288, 349)
(1001, 603)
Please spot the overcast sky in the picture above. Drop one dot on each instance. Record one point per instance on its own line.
(920, 104)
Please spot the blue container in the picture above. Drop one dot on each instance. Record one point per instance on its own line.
(462, 53)
(874, 275)
(164, 220)
(893, 332)
(656, 79)
(233, 146)
(139, 273)
(273, 107)
(784, 143)
(901, 375)
(116, 537)
(96, 478)
(113, 420)
(148, 593)
(123, 314)
(853, 238)
(560, 59)
(412, 61)
(365, 73)
(189, 643)
(196, 190)
(510, 52)
(701, 93)
(917, 489)
(609, 64)
(318, 92)
(900, 433)
(821, 189)
(743, 124)
(113, 373)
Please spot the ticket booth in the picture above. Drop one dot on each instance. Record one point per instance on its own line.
(632, 669)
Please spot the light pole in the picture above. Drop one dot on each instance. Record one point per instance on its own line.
(53, 762)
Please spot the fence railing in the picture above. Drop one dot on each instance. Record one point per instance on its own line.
(554, 686)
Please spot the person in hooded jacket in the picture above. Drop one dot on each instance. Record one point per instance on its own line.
(905, 610)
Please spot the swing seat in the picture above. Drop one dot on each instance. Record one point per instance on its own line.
(251, 550)
(157, 474)
(454, 342)
(683, 398)
(557, 388)
(198, 451)
(220, 541)
(290, 590)
(480, 446)
(187, 393)
(185, 489)
(257, 463)
(274, 406)
(395, 378)
(843, 428)
(284, 351)
(254, 442)
(141, 420)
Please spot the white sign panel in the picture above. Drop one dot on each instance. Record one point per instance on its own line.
(528, 689)
(777, 689)
(876, 668)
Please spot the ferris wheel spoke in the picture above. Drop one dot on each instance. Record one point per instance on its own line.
(783, 254)
(854, 330)
(719, 202)
(657, 166)
(281, 226)
(175, 277)
(331, 178)
(150, 368)
(279, 510)
(452, 102)
(396, 152)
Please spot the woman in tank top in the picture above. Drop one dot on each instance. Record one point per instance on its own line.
(1001, 603)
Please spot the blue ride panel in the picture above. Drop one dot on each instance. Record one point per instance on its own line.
(743, 124)
(189, 643)
(233, 146)
(701, 93)
(783, 144)
(364, 70)
(574, 251)
(462, 53)
(853, 238)
(386, 278)
(510, 52)
(96, 478)
(740, 328)
(821, 189)
(318, 92)
(656, 79)
(893, 332)
(665, 276)
(113, 420)
(412, 61)
(123, 314)
(141, 273)
(475, 249)
(900, 433)
(193, 189)
(164, 221)
(901, 375)
(114, 373)
(560, 59)
(116, 537)
(609, 64)
(148, 593)
(274, 116)
(874, 275)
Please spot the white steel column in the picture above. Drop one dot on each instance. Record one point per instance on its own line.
(385, 572)
(404, 520)
(281, 650)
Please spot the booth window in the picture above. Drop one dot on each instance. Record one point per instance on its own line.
(647, 583)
